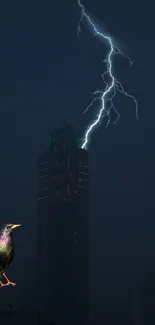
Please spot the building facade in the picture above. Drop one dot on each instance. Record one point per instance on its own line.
(63, 211)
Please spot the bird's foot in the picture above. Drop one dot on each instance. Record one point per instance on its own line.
(8, 283)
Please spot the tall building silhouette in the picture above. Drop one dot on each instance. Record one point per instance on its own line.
(63, 209)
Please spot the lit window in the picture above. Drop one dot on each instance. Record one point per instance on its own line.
(84, 173)
(44, 189)
(43, 169)
(44, 162)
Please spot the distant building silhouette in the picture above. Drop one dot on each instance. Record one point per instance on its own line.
(63, 203)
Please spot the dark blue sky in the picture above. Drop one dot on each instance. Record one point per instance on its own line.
(46, 76)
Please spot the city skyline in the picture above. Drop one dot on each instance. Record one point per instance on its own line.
(46, 75)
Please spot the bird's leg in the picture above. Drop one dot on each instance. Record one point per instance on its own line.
(8, 281)
(3, 284)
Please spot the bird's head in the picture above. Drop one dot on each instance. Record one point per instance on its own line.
(7, 229)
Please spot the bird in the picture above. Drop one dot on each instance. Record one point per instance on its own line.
(6, 252)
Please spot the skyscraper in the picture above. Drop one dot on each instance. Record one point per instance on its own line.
(63, 208)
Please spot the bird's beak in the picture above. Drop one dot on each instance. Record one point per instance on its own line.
(15, 226)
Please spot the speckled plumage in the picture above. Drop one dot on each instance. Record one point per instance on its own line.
(6, 254)
(6, 247)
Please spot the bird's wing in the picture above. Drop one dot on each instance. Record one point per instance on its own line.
(3, 262)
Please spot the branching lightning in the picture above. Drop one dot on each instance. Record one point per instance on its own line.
(111, 88)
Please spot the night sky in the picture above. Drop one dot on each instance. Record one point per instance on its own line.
(46, 75)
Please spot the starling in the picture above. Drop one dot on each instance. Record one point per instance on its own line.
(6, 252)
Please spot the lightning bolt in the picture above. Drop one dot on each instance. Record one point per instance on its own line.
(111, 88)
